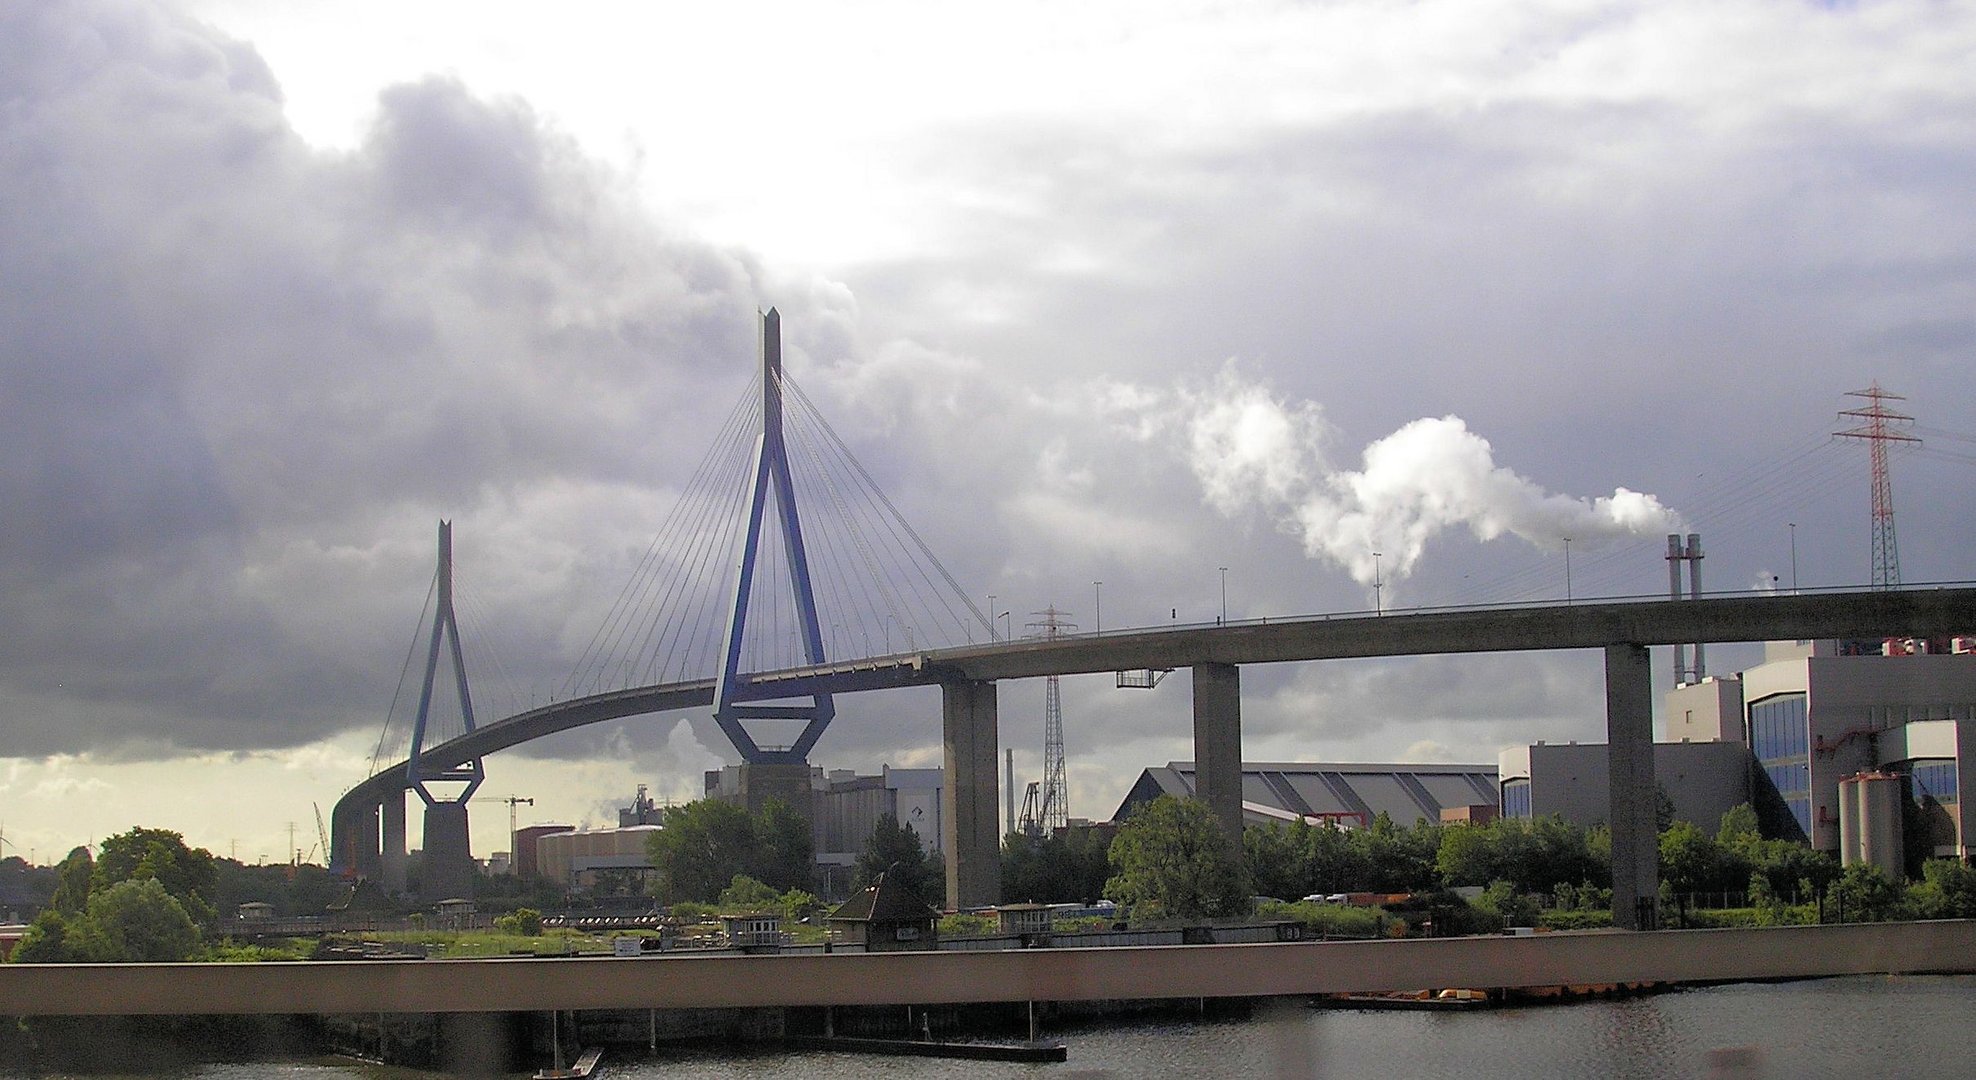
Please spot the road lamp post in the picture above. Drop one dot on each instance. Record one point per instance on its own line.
(1794, 558)
(1378, 588)
(1567, 569)
(1098, 606)
(1224, 595)
(991, 616)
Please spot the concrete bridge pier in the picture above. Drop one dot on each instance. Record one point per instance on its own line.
(446, 870)
(391, 859)
(970, 831)
(1630, 759)
(1218, 744)
(353, 839)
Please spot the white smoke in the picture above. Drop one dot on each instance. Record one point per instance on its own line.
(1249, 449)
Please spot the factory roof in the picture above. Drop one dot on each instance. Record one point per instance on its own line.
(1349, 794)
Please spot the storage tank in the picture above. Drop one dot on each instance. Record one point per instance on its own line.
(1870, 822)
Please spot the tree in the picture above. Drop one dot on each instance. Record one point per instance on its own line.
(72, 882)
(47, 941)
(1865, 894)
(1947, 890)
(135, 921)
(785, 848)
(187, 874)
(745, 894)
(1398, 859)
(702, 846)
(894, 850)
(526, 922)
(1172, 852)
(705, 843)
(1688, 858)
(1069, 866)
(1739, 827)
(1277, 857)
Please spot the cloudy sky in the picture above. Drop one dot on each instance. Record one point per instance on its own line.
(1119, 292)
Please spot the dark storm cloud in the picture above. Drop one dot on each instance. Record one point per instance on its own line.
(244, 375)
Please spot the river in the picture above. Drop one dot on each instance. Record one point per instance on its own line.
(1878, 1027)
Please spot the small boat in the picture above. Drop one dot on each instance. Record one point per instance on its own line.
(585, 1065)
(1452, 999)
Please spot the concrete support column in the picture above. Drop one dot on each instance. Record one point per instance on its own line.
(969, 831)
(1218, 744)
(355, 840)
(446, 870)
(1630, 761)
(391, 858)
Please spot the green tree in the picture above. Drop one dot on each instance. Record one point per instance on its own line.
(1947, 890)
(785, 855)
(47, 941)
(1171, 851)
(703, 845)
(1502, 901)
(186, 873)
(1398, 859)
(1333, 861)
(894, 850)
(524, 921)
(135, 921)
(72, 882)
(745, 894)
(1069, 866)
(1739, 827)
(1689, 860)
(1277, 858)
(1864, 894)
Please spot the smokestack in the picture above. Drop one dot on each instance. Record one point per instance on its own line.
(1694, 555)
(1674, 593)
(1690, 553)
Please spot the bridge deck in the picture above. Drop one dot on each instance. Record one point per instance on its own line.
(1019, 975)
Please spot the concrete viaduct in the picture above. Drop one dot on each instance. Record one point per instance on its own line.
(374, 810)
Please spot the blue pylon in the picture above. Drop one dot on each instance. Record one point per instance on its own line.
(733, 687)
(445, 629)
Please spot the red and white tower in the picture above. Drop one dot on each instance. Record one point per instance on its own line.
(1877, 434)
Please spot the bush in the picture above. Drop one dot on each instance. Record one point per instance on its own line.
(958, 925)
(1581, 919)
(526, 922)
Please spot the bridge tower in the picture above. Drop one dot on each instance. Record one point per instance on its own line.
(448, 863)
(770, 770)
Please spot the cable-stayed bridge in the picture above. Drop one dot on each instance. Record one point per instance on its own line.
(744, 605)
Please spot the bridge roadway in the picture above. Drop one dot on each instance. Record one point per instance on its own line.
(1181, 971)
(967, 674)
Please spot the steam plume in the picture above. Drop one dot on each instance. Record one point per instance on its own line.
(1250, 449)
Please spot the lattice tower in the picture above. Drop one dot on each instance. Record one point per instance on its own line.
(1056, 789)
(1877, 434)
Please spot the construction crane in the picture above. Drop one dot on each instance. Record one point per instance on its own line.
(1054, 813)
(1032, 814)
(322, 834)
(511, 800)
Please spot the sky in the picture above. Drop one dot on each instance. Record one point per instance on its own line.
(1108, 292)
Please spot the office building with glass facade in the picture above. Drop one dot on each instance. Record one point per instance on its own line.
(1782, 736)
(1820, 712)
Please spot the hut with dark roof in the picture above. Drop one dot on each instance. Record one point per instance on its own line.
(887, 918)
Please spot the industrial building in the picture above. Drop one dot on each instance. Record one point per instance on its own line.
(1702, 780)
(842, 806)
(1805, 722)
(1346, 795)
(572, 858)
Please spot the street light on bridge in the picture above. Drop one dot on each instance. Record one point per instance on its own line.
(1378, 586)
(1098, 604)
